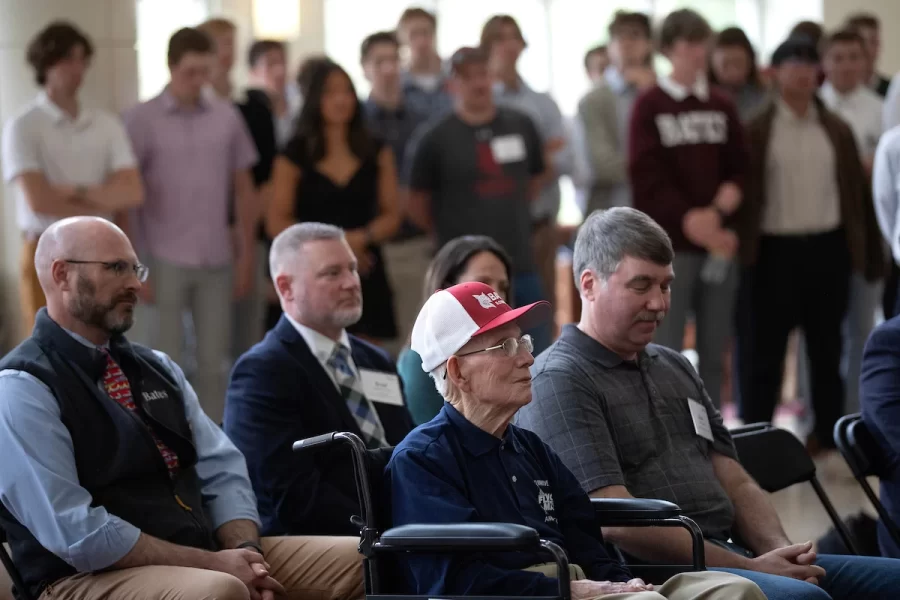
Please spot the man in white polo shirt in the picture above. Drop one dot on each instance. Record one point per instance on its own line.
(63, 160)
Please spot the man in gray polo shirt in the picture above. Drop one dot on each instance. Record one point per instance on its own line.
(633, 419)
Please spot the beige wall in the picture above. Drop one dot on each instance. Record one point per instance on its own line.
(310, 41)
(835, 11)
(111, 84)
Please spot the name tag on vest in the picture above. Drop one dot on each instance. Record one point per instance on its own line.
(381, 387)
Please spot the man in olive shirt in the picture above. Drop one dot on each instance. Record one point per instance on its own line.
(633, 419)
(475, 172)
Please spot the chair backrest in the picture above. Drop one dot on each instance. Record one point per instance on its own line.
(9, 575)
(858, 447)
(775, 458)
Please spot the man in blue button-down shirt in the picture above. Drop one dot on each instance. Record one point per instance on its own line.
(115, 482)
(469, 464)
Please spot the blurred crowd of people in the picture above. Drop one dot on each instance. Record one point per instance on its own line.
(291, 260)
(761, 175)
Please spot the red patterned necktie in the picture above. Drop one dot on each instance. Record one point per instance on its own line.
(118, 388)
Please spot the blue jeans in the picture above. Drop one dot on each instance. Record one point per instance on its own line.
(527, 289)
(846, 577)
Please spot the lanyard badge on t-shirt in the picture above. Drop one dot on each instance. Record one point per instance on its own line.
(508, 148)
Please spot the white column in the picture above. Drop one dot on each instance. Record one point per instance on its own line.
(111, 84)
(310, 41)
(887, 11)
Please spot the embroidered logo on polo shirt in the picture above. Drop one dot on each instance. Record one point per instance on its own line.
(545, 499)
(489, 300)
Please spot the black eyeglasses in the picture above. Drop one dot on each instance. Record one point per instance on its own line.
(510, 346)
(118, 267)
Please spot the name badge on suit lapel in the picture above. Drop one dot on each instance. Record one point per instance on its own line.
(381, 387)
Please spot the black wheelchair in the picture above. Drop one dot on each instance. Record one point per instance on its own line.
(380, 543)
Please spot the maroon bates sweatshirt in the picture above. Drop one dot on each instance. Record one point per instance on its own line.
(680, 152)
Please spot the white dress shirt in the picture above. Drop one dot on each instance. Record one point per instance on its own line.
(861, 108)
(801, 181)
(322, 347)
(886, 189)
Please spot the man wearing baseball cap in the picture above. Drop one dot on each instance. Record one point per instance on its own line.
(470, 464)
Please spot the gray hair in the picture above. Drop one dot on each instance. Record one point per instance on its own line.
(289, 242)
(607, 236)
(443, 385)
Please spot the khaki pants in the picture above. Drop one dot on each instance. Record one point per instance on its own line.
(406, 264)
(248, 315)
(544, 244)
(314, 568)
(204, 292)
(31, 296)
(695, 585)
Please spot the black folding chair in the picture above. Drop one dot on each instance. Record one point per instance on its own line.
(379, 543)
(865, 458)
(20, 591)
(776, 459)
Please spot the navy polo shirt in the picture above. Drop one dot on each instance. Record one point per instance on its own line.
(450, 471)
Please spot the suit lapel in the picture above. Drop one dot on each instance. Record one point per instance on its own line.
(321, 382)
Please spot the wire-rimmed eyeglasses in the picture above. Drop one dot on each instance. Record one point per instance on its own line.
(117, 267)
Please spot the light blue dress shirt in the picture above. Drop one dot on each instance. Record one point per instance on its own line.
(39, 482)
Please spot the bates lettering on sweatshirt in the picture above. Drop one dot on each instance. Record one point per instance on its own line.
(692, 127)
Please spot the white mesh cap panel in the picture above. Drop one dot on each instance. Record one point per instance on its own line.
(442, 327)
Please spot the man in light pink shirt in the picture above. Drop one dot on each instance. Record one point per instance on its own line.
(194, 152)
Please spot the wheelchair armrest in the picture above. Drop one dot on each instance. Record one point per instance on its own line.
(460, 536)
(611, 510)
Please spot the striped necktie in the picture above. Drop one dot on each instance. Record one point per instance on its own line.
(117, 387)
(359, 406)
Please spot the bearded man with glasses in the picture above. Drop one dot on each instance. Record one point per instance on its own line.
(115, 483)
(470, 464)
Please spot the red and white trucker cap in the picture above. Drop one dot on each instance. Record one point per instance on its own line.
(452, 317)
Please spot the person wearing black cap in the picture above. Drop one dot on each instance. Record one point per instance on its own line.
(476, 171)
(805, 225)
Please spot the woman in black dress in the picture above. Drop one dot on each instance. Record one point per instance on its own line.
(333, 171)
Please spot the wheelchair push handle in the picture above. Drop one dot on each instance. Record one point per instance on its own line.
(318, 440)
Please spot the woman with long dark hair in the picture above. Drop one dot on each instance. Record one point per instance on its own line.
(333, 171)
(466, 258)
(733, 68)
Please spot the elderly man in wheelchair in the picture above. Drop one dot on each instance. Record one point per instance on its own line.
(471, 465)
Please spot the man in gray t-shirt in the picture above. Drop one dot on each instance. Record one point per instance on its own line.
(632, 419)
(472, 171)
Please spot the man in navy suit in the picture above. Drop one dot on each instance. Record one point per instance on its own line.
(308, 377)
(879, 397)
